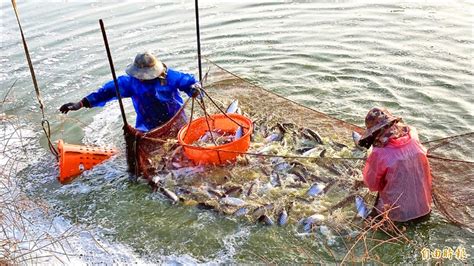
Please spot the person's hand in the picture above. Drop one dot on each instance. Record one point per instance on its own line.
(196, 90)
(70, 107)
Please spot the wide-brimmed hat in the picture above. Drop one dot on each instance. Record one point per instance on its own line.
(376, 119)
(145, 67)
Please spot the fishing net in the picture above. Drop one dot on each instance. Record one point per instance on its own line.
(145, 149)
(295, 151)
(311, 167)
(452, 163)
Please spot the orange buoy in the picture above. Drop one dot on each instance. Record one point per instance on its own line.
(75, 159)
(209, 155)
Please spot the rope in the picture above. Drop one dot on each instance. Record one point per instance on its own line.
(223, 112)
(447, 159)
(206, 115)
(44, 122)
(190, 118)
(8, 92)
(451, 137)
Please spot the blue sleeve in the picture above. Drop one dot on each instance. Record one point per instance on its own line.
(184, 82)
(107, 92)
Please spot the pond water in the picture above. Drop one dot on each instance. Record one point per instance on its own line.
(338, 57)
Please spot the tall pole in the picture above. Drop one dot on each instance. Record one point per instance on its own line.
(112, 69)
(198, 39)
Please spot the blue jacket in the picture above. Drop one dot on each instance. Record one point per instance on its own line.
(155, 101)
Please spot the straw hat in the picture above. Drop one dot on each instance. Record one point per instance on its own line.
(376, 119)
(145, 67)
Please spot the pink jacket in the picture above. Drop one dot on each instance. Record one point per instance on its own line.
(400, 172)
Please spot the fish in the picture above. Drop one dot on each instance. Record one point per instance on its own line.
(205, 206)
(273, 137)
(241, 211)
(208, 135)
(282, 128)
(233, 191)
(275, 179)
(261, 210)
(322, 153)
(233, 107)
(299, 173)
(215, 192)
(310, 222)
(239, 133)
(315, 135)
(329, 186)
(309, 152)
(362, 209)
(266, 149)
(249, 192)
(303, 149)
(186, 171)
(231, 201)
(315, 189)
(342, 203)
(282, 218)
(266, 220)
(169, 194)
(338, 146)
(356, 138)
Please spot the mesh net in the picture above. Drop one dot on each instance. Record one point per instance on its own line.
(278, 176)
(452, 164)
(145, 150)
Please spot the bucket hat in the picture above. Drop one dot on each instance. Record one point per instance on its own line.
(146, 67)
(376, 119)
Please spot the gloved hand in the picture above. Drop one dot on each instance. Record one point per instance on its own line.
(196, 90)
(70, 107)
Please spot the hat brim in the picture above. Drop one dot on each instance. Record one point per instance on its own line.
(368, 133)
(146, 73)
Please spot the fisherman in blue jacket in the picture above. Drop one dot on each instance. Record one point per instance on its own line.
(153, 88)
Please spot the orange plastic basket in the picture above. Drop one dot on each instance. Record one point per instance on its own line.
(75, 159)
(209, 155)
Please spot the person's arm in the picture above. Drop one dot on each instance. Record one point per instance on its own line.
(99, 98)
(107, 92)
(188, 84)
(374, 171)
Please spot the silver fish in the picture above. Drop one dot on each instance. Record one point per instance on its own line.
(170, 194)
(241, 211)
(249, 192)
(266, 220)
(356, 138)
(315, 189)
(231, 201)
(362, 209)
(239, 133)
(282, 218)
(259, 211)
(186, 171)
(310, 222)
(315, 135)
(309, 152)
(234, 191)
(207, 136)
(273, 137)
(233, 107)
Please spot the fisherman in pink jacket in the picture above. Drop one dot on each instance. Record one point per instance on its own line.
(397, 167)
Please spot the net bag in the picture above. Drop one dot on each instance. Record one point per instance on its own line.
(143, 147)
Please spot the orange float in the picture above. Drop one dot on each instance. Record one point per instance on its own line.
(75, 159)
(215, 154)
